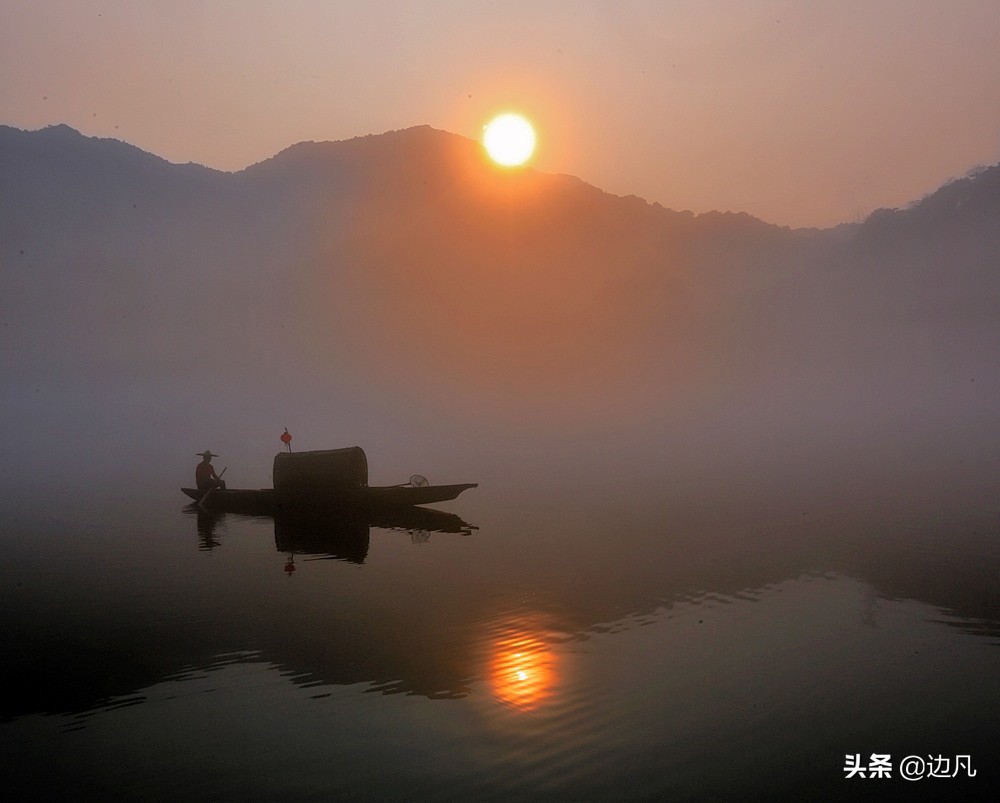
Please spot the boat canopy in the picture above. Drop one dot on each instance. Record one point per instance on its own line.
(330, 469)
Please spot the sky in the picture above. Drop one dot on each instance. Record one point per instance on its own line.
(799, 112)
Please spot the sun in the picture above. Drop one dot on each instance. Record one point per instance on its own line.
(509, 139)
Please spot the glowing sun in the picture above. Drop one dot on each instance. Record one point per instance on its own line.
(509, 139)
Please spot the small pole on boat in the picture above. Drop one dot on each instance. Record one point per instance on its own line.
(287, 440)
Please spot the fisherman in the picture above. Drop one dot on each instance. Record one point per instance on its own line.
(204, 473)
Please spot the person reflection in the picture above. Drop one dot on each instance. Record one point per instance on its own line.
(206, 529)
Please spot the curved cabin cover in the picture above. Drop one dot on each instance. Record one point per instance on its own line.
(320, 471)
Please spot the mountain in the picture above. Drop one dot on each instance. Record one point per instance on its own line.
(402, 278)
(408, 235)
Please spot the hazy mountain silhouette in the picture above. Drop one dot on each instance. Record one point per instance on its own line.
(406, 266)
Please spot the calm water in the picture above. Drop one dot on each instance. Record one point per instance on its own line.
(577, 646)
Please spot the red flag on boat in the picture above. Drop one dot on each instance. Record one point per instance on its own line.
(286, 439)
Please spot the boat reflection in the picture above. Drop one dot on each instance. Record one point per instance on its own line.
(333, 538)
(522, 671)
(335, 534)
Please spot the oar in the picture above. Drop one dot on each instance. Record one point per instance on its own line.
(201, 502)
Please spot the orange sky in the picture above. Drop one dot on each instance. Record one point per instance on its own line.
(798, 112)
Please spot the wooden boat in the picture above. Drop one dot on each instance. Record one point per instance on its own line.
(330, 478)
(236, 500)
(266, 501)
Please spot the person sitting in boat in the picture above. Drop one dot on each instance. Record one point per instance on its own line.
(204, 473)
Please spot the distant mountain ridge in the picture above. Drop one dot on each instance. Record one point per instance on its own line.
(407, 259)
(61, 142)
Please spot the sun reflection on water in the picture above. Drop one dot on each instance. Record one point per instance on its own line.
(522, 671)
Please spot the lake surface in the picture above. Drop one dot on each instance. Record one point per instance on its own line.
(674, 644)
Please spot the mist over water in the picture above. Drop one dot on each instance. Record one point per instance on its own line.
(735, 480)
(697, 627)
